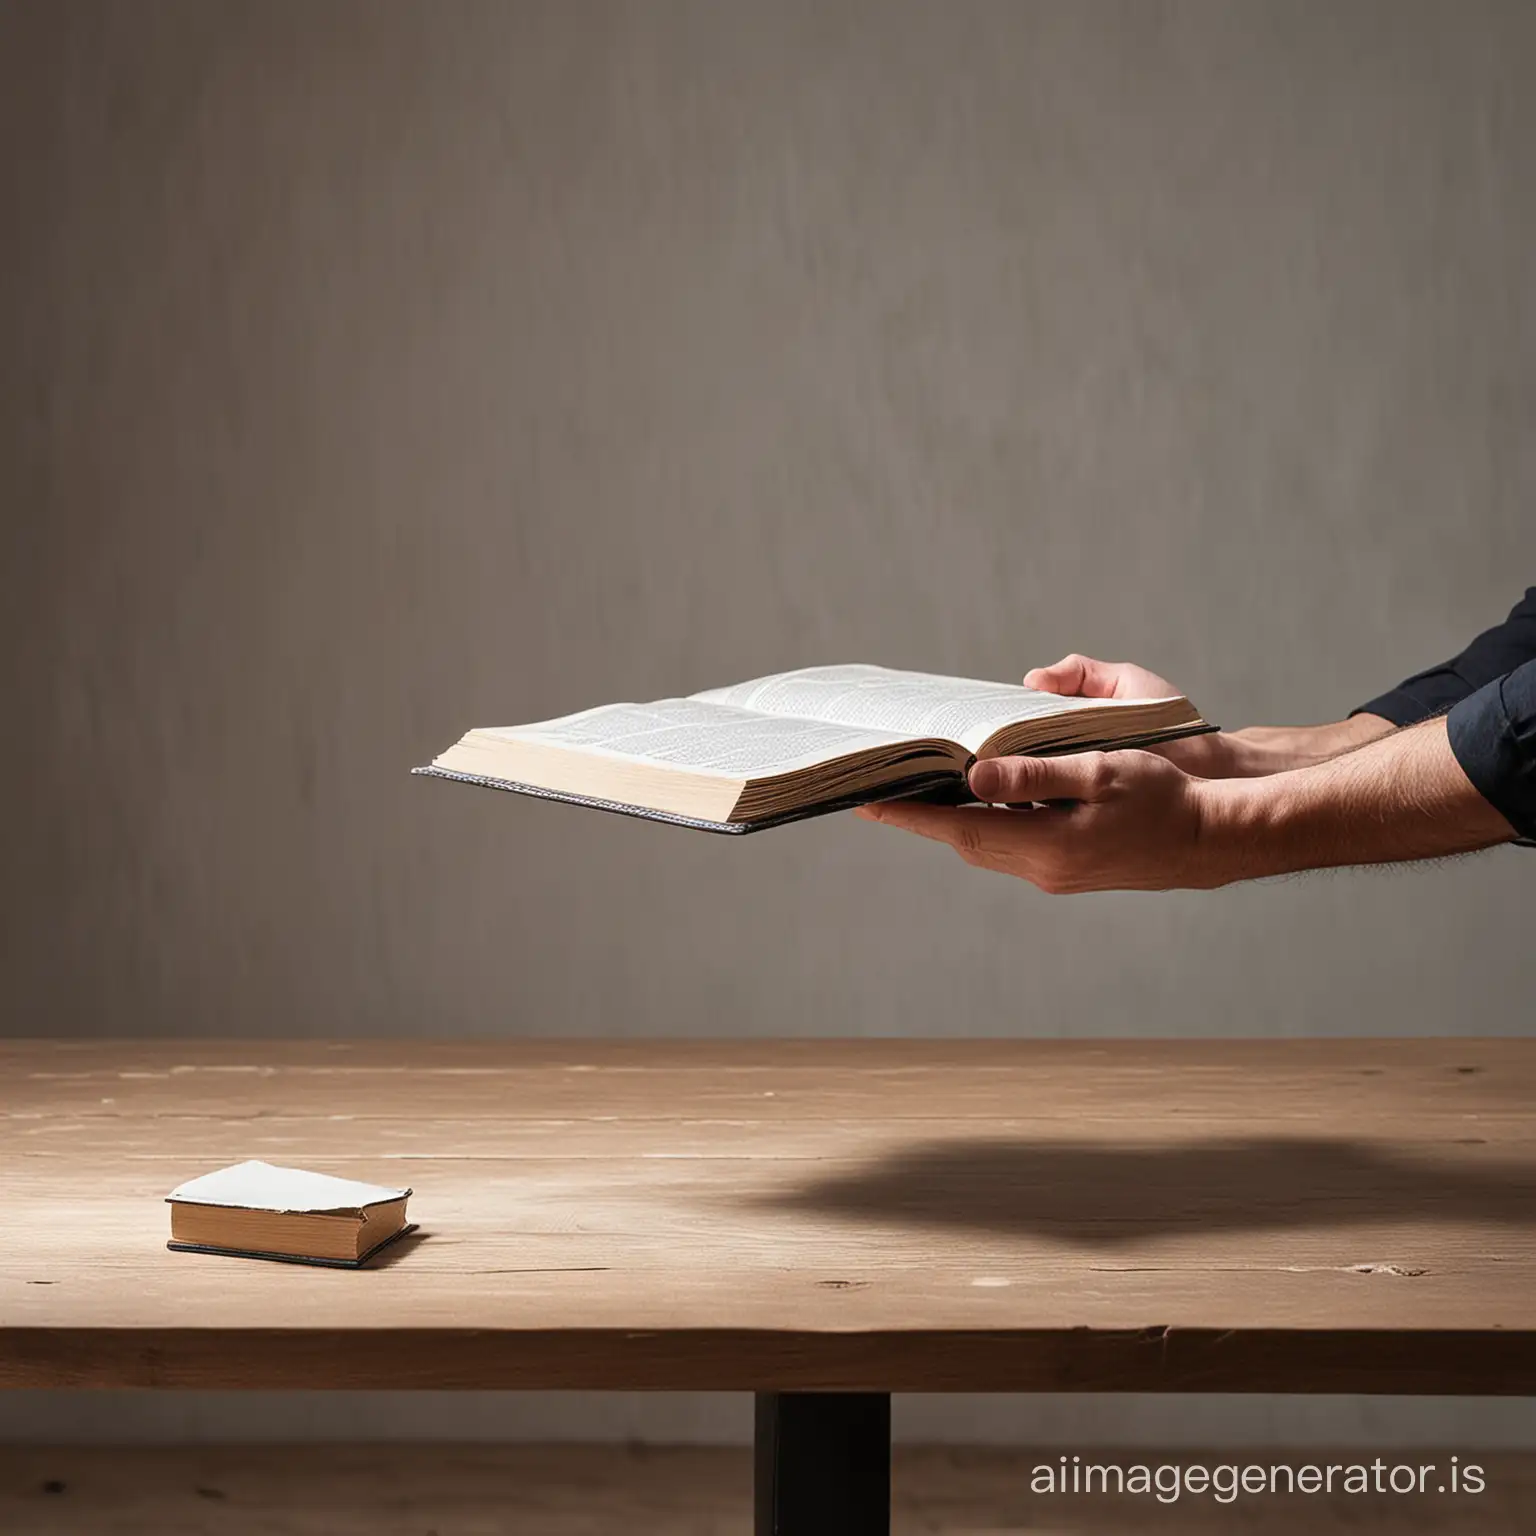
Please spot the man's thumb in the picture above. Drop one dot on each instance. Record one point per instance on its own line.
(1018, 780)
(1076, 676)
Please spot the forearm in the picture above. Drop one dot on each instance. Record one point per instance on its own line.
(1265, 749)
(1401, 797)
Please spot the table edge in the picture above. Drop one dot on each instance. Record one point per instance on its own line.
(1471, 1362)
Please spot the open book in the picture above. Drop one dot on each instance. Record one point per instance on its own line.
(798, 744)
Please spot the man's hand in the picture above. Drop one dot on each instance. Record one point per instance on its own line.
(1083, 677)
(1242, 754)
(1133, 823)
(1137, 822)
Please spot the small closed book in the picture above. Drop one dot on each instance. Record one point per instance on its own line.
(798, 744)
(259, 1211)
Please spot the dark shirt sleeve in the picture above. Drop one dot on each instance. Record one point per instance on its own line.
(1493, 734)
(1492, 655)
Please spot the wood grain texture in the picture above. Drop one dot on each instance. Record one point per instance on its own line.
(878, 1215)
(570, 1490)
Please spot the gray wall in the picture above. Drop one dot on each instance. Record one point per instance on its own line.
(371, 371)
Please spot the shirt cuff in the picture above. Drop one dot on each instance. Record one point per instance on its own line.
(1429, 693)
(1396, 707)
(1493, 736)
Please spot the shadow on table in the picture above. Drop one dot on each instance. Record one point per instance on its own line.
(1108, 1194)
(400, 1249)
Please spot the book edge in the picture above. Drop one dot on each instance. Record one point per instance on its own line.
(927, 784)
(296, 1258)
(358, 1211)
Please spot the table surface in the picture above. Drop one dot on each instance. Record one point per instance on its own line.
(873, 1215)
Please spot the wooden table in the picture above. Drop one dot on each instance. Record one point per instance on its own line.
(820, 1223)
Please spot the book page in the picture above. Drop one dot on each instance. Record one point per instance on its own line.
(960, 709)
(259, 1186)
(703, 737)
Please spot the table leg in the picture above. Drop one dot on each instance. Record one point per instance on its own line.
(822, 1464)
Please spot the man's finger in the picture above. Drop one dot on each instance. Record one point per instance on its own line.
(1076, 677)
(1016, 780)
(970, 832)
(936, 821)
(1017, 841)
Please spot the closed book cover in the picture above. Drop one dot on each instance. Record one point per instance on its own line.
(259, 1210)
